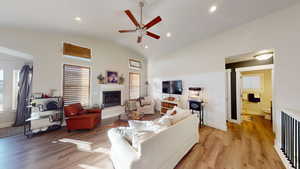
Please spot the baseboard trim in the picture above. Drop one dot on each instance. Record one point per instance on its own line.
(285, 162)
(6, 124)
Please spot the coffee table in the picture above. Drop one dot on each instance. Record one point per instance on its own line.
(135, 115)
(132, 115)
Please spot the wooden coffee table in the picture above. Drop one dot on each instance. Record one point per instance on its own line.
(132, 115)
(135, 115)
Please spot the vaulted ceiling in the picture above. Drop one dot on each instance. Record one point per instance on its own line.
(187, 20)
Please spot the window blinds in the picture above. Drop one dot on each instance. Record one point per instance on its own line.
(76, 84)
(134, 85)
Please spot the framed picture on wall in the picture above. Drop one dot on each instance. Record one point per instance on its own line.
(112, 76)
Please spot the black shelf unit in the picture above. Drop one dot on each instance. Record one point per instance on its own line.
(198, 108)
(59, 116)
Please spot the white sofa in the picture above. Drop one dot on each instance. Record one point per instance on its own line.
(161, 151)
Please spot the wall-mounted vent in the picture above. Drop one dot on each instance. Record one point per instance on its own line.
(78, 51)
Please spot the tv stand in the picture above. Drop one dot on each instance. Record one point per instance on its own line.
(167, 104)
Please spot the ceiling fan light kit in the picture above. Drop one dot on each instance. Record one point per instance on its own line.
(141, 29)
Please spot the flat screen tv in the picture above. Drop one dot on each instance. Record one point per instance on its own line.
(172, 87)
(166, 87)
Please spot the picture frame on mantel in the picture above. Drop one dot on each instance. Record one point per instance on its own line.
(112, 77)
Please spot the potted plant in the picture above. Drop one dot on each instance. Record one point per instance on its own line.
(101, 79)
(121, 79)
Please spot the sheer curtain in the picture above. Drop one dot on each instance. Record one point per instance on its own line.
(24, 94)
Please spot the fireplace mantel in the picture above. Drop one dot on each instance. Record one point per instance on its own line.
(110, 87)
(110, 111)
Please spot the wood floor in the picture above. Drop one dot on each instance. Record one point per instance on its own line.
(245, 146)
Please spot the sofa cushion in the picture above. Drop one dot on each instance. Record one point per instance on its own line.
(146, 101)
(165, 120)
(95, 110)
(70, 111)
(83, 112)
(126, 132)
(180, 115)
(146, 126)
(139, 137)
(133, 137)
(140, 125)
(77, 107)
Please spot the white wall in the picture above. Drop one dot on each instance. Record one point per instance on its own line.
(279, 31)
(48, 60)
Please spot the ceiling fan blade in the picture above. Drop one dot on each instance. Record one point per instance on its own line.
(153, 22)
(139, 40)
(126, 31)
(152, 35)
(132, 18)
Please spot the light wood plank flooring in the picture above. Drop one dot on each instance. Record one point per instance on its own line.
(245, 146)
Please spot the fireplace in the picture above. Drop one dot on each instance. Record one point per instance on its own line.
(111, 98)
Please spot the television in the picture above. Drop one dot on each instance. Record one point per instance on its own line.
(172, 87)
(166, 87)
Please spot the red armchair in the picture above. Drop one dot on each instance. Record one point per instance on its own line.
(79, 118)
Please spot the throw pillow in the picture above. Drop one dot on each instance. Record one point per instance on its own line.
(165, 121)
(146, 101)
(70, 111)
(172, 111)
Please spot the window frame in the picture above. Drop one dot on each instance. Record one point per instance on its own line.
(14, 101)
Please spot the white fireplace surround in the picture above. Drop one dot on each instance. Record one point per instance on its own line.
(114, 110)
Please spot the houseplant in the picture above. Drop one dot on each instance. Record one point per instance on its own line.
(101, 79)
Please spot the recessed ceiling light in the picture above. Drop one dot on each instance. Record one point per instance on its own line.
(78, 19)
(146, 47)
(169, 34)
(213, 9)
(264, 56)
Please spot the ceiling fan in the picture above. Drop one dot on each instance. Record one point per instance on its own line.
(141, 29)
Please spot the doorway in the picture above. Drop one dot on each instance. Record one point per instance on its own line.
(254, 92)
(249, 85)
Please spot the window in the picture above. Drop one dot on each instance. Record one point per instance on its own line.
(1, 89)
(135, 64)
(16, 78)
(134, 85)
(76, 84)
(252, 82)
(77, 51)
